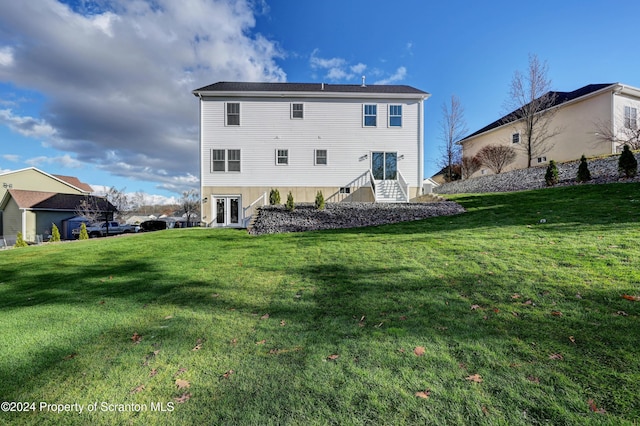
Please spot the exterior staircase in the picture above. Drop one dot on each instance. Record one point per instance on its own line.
(389, 191)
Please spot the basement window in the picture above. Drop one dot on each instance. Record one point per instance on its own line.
(345, 190)
(542, 159)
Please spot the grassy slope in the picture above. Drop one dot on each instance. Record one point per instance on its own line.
(491, 292)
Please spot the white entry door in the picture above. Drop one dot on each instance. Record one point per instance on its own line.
(227, 210)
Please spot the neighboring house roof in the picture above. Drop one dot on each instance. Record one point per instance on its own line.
(319, 88)
(67, 180)
(74, 181)
(559, 98)
(40, 200)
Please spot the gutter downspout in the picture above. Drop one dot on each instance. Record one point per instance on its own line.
(420, 148)
(24, 224)
(202, 216)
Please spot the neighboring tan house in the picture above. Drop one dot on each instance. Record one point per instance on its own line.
(32, 200)
(594, 120)
(352, 142)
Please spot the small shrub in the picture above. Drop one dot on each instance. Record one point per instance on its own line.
(551, 176)
(583, 170)
(55, 233)
(290, 206)
(319, 201)
(20, 242)
(627, 163)
(84, 235)
(274, 197)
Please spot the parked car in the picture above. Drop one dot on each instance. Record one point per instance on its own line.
(103, 229)
(153, 225)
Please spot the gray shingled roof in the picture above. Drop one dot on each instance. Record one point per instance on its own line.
(40, 200)
(226, 86)
(560, 98)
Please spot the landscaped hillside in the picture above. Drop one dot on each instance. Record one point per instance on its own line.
(524, 310)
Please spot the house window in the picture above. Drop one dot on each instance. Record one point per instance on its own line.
(345, 190)
(542, 159)
(515, 138)
(370, 115)
(395, 115)
(282, 157)
(297, 110)
(233, 164)
(218, 160)
(225, 160)
(630, 118)
(321, 157)
(233, 114)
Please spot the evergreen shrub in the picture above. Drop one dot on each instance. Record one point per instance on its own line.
(551, 176)
(627, 163)
(583, 170)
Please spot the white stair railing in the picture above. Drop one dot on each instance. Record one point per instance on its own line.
(249, 211)
(404, 186)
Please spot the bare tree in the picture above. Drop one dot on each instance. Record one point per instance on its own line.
(469, 165)
(532, 104)
(496, 157)
(453, 129)
(89, 209)
(190, 204)
(627, 134)
(120, 201)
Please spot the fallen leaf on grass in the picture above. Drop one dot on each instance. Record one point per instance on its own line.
(333, 357)
(197, 347)
(136, 338)
(264, 317)
(182, 399)
(403, 318)
(137, 390)
(70, 356)
(153, 372)
(475, 307)
(573, 339)
(556, 313)
(234, 341)
(515, 296)
(419, 350)
(282, 323)
(485, 410)
(227, 374)
(181, 384)
(261, 342)
(180, 371)
(593, 407)
(424, 394)
(528, 302)
(632, 298)
(557, 356)
(622, 313)
(474, 378)
(533, 379)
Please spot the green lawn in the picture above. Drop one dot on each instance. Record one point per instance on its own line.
(490, 317)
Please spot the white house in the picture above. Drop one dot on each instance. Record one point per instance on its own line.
(594, 120)
(352, 142)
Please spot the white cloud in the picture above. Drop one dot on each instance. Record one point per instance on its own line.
(64, 161)
(26, 126)
(399, 75)
(11, 157)
(119, 79)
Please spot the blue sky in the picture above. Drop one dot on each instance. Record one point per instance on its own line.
(101, 89)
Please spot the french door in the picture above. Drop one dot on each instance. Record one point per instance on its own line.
(384, 165)
(227, 210)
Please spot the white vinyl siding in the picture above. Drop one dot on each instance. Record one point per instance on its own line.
(334, 125)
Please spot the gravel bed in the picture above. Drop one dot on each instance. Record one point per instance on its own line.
(603, 170)
(305, 217)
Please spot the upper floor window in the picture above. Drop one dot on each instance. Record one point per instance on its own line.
(321, 157)
(225, 160)
(515, 138)
(370, 115)
(282, 157)
(233, 114)
(395, 115)
(297, 110)
(630, 118)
